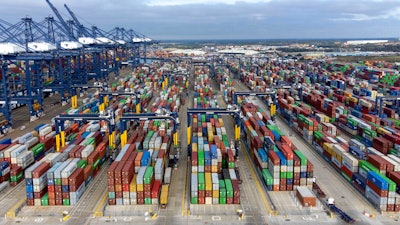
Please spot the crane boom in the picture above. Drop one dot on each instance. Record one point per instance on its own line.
(61, 19)
(81, 28)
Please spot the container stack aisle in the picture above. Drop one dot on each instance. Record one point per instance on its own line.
(141, 167)
(213, 178)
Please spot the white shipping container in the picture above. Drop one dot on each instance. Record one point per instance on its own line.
(232, 174)
(139, 178)
(158, 168)
(7, 152)
(167, 175)
(31, 142)
(87, 151)
(339, 150)
(24, 138)
(18, 151)
(44, 130)
(40, 187)
(50, 135)
(349, 160)
(25, 159)
(396, 166)
(67, 171)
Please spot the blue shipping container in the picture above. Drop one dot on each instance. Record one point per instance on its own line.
(28, 181)
(263, 155)
(29, 195)
(65, 188)
(29, 188)
(376, 179)
(360, 180)
(145, 158)
(276, 135)
(282, 158)
(357, 152)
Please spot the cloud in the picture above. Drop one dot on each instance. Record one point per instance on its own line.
(199, 2)
(390, 14)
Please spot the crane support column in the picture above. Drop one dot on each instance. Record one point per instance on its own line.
(111, 139)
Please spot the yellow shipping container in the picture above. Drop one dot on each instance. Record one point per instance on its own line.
(164, 195)
(353, 99)
(214, 169)
(215, 193)
(86, 111)
(210, 136)
(347, 94)
(328, 147)
(194, 147)
(221, 122)
(382, 131)
(208, 180)
(132, 185)
(140, 187)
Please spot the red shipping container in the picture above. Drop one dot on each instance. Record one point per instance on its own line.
(40, 170)
(112, 201)
(377, 190)
(156, 189)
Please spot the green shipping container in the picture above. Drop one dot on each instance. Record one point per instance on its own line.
(303, 159)
(45, 200)
(367, 166)
(282, 175)
(370, 132)
(17, 178)
(200, 155)
(393, 151)
(66, 201)
(392, 185)
(267, 177)
(57, 181)
(222, 184)
(289, 175)
(222, 201)
(95, 164)
(38, 149)
(229, 188)
(194, 200)
(111, 194)
(147, 201)
(89, 141)
(148, 175)
(201, 181)
(82, 163)
(352, 121)
(231, 165)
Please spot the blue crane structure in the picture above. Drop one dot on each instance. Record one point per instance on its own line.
(55, 56)
(379, 100)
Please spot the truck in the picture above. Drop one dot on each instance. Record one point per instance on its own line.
(164, 196)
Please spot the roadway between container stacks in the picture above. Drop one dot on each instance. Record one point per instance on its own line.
(255, 206)
(11, 196)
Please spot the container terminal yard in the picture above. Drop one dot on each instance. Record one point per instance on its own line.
(114, 128)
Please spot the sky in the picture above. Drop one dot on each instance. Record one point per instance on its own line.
(225, 19)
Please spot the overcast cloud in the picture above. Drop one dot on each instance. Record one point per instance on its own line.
(225, 19)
